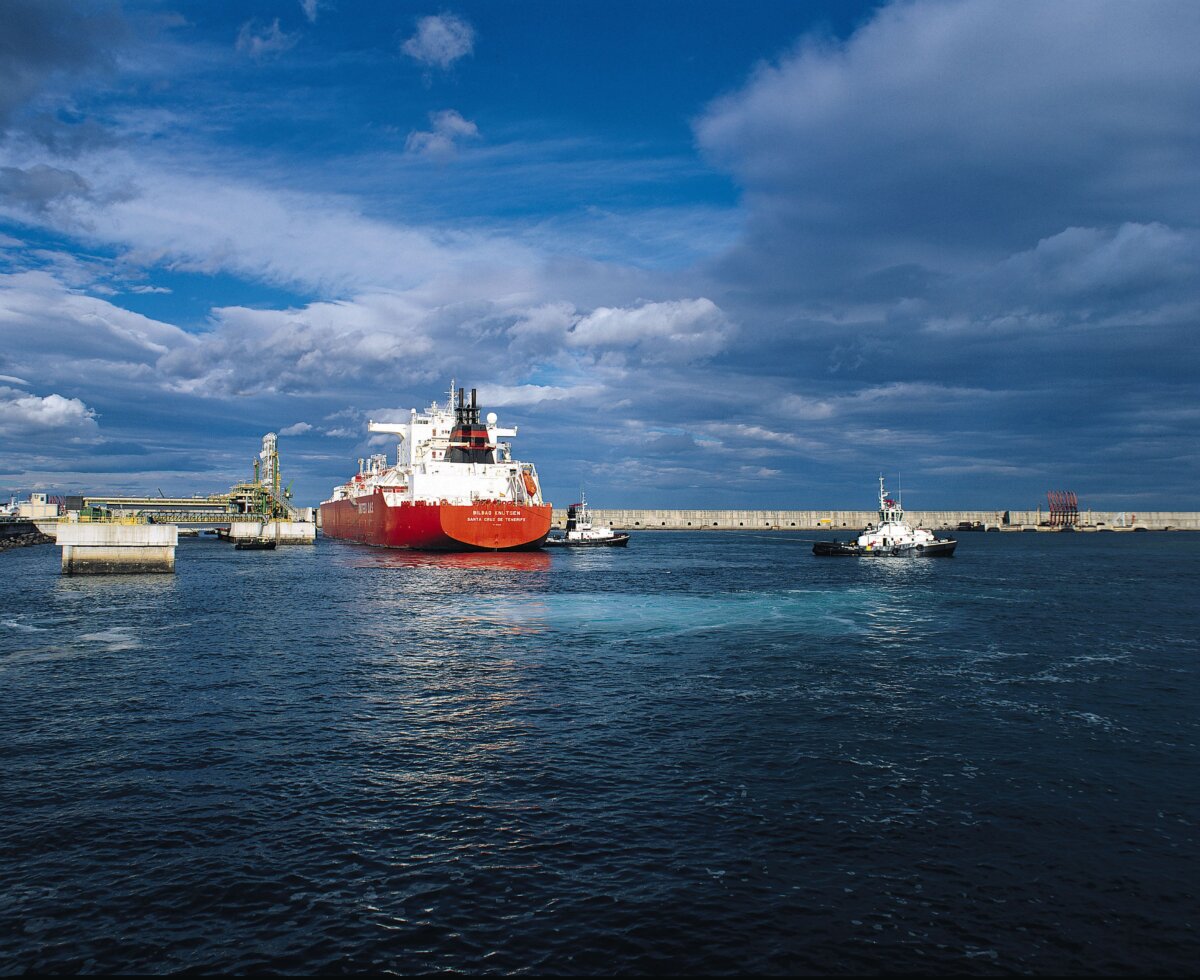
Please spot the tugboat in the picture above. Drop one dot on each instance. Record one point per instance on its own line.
(891, 537)
(581, 533)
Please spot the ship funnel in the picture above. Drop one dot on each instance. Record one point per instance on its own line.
(473, 398)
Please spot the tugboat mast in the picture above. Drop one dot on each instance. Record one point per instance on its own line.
(890, 511)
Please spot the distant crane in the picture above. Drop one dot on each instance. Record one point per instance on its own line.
(1064, 508)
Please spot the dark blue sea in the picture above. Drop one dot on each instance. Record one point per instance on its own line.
(712, 753)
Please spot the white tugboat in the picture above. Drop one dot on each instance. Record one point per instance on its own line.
(581, 533)
(890, 537)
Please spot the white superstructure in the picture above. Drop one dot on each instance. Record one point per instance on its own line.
(446, 455)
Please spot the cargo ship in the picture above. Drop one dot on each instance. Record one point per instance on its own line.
(454, 487)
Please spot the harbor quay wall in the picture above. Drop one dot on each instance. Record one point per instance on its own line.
(848, 520)
(106, 549)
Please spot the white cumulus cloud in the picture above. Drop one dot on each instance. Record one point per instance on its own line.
(440, 40)
(504, 395)
(317, 346)
(42, 318)
(259, 42)
(675, 330)
(449, 128)
(25, 414)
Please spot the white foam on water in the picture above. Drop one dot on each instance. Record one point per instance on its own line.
(21, 659)
(115, 639)
(675, 614)
(22, 627)
(1099, 721)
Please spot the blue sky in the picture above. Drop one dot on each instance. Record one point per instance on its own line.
(703, 254)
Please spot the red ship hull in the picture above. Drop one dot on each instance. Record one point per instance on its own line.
(487, 525)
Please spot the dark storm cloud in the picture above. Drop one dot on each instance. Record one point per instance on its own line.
(40, 39)
(946, 133)
(68, 134)
(985, 198)
(39, 187)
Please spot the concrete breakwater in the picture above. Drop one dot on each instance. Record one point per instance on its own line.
(21, 534)
(852, 520)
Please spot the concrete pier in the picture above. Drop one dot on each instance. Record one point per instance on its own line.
(107, 549)
(283, 532)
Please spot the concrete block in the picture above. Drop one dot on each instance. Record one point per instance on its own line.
(284, 532)
(292, 532)
(107, 549)
(245, 530)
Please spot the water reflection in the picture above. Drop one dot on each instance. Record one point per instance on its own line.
(362, 556)
(115, 588)
(902, 570)
(506, 618)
